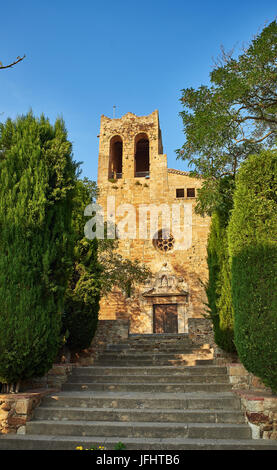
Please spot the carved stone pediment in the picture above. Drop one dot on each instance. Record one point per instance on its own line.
(165, 283)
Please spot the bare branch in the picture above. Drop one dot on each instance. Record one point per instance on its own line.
(257, 118)
(255, 141)
(18, 59)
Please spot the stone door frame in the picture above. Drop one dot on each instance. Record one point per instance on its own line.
(182, 304)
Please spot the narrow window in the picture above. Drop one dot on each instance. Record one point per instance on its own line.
(190, 192)
(115, 163)
(141, 156)
(180, 192)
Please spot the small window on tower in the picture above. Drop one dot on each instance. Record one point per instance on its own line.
(180, 192)
(190, 192)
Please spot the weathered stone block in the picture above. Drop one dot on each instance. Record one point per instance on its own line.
(23, 406)
(237, 370)
(6, 406)
(257, 418)
(253, 405)
(3, 414)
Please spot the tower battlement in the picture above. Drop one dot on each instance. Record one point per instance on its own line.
(130, 147)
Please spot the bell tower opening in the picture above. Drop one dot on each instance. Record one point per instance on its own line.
(142, 165)
(115, 161)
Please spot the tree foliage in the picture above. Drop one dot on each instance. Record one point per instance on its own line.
(37, 181)
(97, 269)
(227, 121)
(118, 272)
(83, 291)
(218, 288)
(252, 235)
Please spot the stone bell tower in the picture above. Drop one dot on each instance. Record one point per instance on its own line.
(131, 151)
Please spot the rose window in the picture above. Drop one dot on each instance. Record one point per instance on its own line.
(164, 241)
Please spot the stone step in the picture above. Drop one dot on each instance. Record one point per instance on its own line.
(154, 337)
(147, 387)
(139, 415)
(134, 354)
(141, 379)
(189, 361)
(44, 442)
(150, 347)
(142, 400)
(137, 429)
(151, 370)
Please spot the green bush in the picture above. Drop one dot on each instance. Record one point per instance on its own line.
(219, 289)
(37, 180)
(252, 238)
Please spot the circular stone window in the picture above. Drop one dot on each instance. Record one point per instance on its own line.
(163, 240)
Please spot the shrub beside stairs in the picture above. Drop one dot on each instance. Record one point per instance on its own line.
(152, 392)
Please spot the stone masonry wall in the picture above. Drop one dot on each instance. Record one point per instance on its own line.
(16, 410)
(108, 331)
(159, 188)
(261, 412)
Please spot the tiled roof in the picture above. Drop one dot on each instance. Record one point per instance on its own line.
(178, 172)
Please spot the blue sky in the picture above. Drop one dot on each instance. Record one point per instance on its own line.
(82, 58)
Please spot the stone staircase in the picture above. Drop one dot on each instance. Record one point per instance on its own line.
(152, 392)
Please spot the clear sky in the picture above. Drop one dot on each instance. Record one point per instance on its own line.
(83, 57)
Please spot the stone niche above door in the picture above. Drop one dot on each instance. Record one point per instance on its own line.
(165, 302)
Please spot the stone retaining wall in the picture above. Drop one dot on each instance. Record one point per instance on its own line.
(16, 410)
(108, 331)
(258, 402)
(200, 331)
(241, 379)
(261, 412)
(54, 378)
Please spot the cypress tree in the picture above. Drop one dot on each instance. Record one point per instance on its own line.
(219, 284)
(83, 292)
(219, 288)
(37, 180)
(252, 236)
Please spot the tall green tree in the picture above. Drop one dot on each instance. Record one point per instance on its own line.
(252, 236)
(230, 119)
(37, 183)
(225, 123)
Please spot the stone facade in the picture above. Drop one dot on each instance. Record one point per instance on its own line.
(133, 169)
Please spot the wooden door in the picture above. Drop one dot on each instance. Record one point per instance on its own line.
(165, 318)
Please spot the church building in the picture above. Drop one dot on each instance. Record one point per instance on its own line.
(163, 230)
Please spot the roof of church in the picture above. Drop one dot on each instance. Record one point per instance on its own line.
(178, 172)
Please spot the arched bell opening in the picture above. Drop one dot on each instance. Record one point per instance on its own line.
(115, 161)
(142, 161)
